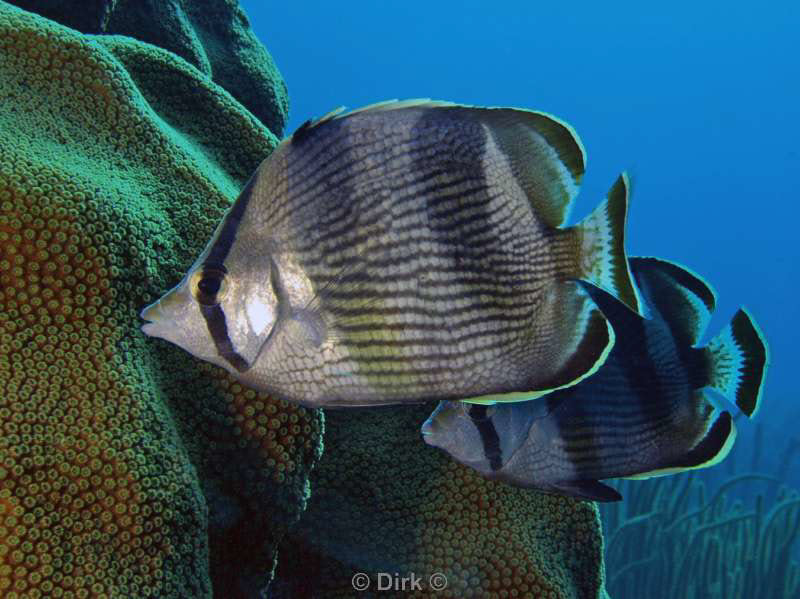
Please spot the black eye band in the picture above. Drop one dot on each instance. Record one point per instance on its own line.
(489, 436)
(478, 412)
(218, 329)
(209, 284)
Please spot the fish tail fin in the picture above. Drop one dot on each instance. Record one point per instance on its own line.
(598, 246)
(738, 358)
(709, 450)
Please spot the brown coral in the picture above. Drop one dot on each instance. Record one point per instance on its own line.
(127, 468)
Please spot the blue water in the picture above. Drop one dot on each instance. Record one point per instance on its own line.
(700, 101)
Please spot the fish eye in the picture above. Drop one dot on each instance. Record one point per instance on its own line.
(209, 285)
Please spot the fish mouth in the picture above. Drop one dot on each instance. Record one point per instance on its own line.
(152, 314)
(149, 313)
(161, 311)
(429, 430)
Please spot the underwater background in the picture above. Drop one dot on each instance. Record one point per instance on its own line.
(700, 102)
(130, 469)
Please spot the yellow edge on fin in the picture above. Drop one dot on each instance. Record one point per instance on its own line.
(723, 453)
(517, 396)
(514, 396)
(327, 117)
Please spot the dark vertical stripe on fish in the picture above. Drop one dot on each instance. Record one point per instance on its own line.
(227, 235)
(218, 329)
(302, 132)
(489, 436)
(649, 410)
(451, 213)
(311, 178)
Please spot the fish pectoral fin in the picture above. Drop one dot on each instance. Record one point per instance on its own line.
(590, 489)
(345, 298)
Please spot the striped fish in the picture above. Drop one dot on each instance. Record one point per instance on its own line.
(643, 414)
(404, 252)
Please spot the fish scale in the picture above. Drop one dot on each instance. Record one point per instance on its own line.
(405, 252)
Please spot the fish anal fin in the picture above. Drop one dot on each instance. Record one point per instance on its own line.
(579, 338)
(710, 450)
(583, 335)
(596, 247)
(592, 490)
(514, 396)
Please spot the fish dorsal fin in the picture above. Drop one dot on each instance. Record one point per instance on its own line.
(341, 112)
(303, 130)
(679, 296)
(395, 104)
(545, 155)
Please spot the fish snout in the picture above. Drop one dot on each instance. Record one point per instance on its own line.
(160, 312)
(429, 427)
(152, 314)
(435, 427)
